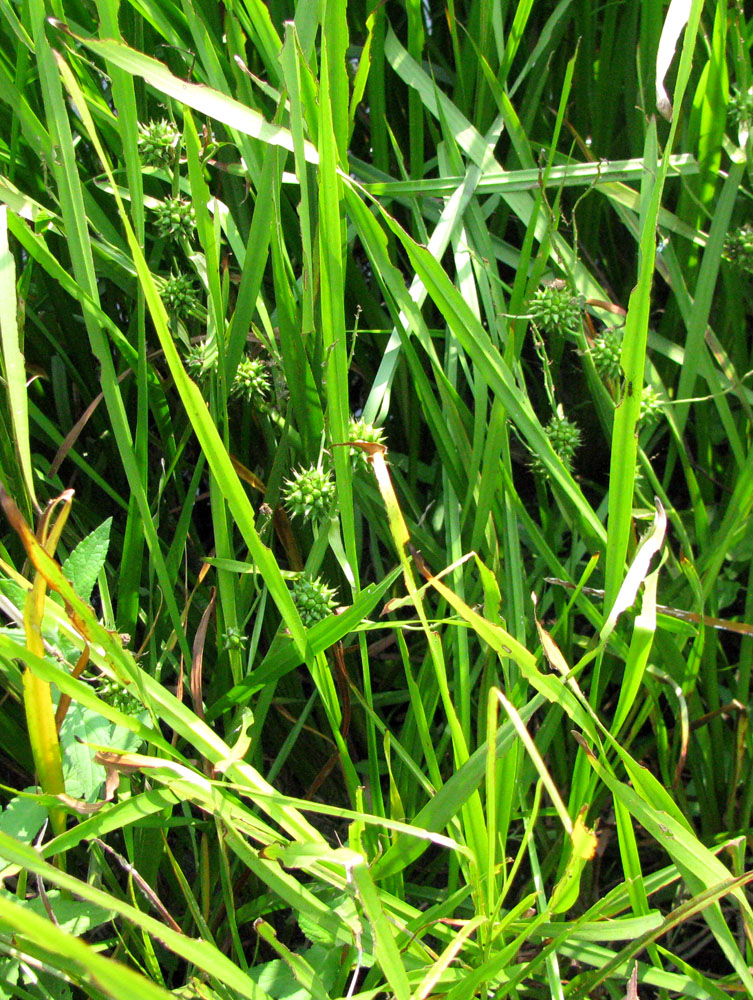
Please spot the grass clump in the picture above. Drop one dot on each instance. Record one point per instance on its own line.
(276, 305)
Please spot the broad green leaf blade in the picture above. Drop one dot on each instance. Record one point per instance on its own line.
(205, 100)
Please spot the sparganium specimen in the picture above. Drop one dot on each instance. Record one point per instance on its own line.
(309, 492)
(313, 598)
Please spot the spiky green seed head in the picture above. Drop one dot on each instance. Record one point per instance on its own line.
(234, 638)
(251, 380)
(564, 437)
(175, 217)
(309, 492)
(651, 406)
(738, 248)
(313, 598)
(200, 360)
(555, 309)
(606, 351)
(360, 430)
(740, 107)
(179, 295)
(120, 697)
(158, 143)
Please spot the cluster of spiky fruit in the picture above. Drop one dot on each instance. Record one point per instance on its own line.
(313, 598)
(201, 359)
(251, 380)
(651, 406)
(738, 248)
(361, 430)
(158, 143)
(606, 351)
(179, 295)
(565, 437)
(740, 106)
(175, 217)
(309, 492)
(555, 309)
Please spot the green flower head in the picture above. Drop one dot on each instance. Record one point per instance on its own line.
(200, 360)
(309, 492)
(606, 351)
(360, 430)
(179, 295)
(234, 638)
(740, 107)
(175, 217)
(564, 437)
(158, 143)
(651, 406)
(555, 309)
(313, 598)
(251, 380)
(738, 248)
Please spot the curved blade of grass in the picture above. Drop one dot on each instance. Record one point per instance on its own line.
(569, 942)
(112, 978)
(610, 175)
(695, 349)
(686, 911)
(446, 803)
(624, 441)
(675, 21)
(303, 972)
(112, 816)
(640, 648)
(154, 696)
(301, 88)
(649, 545)
(701, 870)
(74, 204)
(485, 356)
(49, 671)
(40, 714)
(472, 811)
(13, 359)
(332, 139)
(458, 201)
(481, 152)
(199, 953)
(205, 100)
(324, 634)
(387, 951)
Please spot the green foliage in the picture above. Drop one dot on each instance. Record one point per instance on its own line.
(416, 312)
(86, 562)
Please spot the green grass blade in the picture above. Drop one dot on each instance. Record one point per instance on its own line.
(13, 360)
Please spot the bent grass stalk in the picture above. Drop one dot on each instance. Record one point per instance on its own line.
(40, 713)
